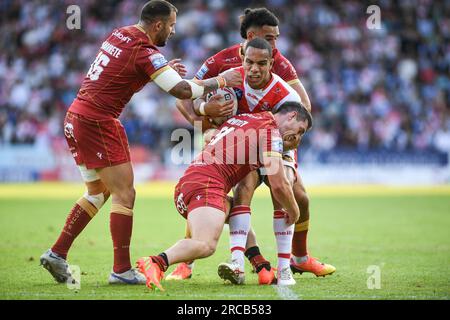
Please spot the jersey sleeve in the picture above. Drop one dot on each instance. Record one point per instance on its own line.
(286, 71)
(272, 143)
(151, 61)
(208, 69)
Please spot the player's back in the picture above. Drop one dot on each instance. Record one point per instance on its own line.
(237, 149)
(123, 65)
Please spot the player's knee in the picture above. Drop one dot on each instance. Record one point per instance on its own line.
(209, 248)
(125, 197)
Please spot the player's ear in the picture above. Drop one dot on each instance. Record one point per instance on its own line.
(293, 115)
(271, 61)
(250, 35)
(158, 25)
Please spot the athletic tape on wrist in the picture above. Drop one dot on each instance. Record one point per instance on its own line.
(201, 109)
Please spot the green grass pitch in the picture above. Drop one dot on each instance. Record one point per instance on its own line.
(403, 232)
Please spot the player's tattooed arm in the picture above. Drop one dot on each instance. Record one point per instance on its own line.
(170, 81)
(229, 78)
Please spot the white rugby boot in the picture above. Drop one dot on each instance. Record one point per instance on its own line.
(285, 278)
(56, 265)
(232, 272)
(131, 276)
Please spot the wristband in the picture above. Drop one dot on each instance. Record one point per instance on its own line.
(201, 109)
(221, 82)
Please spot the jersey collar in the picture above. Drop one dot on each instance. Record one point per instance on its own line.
(137, 26)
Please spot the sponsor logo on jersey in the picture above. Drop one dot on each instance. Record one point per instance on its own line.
(158, 60)
(201, 73)
(234, 59)
(119, 35)
(252, 96)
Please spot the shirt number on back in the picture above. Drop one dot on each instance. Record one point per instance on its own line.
(96, 69)
(223, 132)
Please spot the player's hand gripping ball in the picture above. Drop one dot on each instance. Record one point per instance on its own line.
(228, 95)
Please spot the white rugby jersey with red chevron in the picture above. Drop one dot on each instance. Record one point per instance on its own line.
(269, 98)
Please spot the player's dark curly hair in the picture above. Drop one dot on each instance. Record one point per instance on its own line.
(259, 43)
(302, 112)
(156, 9)
(257, 18)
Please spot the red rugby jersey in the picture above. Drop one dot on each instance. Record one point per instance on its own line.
(125, 63)
(237, 149)
(231, 58)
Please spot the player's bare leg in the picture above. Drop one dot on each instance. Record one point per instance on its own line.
(119, 181)
(54, 260)
(301, 261)
(205, 225)
(183, 270)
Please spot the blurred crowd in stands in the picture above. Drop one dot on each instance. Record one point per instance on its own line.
(386, 88)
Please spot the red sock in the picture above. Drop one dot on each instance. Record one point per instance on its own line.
(77, 219)
(299, 247)
(121, 226)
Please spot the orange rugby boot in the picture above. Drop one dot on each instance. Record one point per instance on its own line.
(314, 266)
(181, 272)
(151, 271)
(266, 276)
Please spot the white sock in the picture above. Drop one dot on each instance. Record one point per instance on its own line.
(239, 224)
(283, 236)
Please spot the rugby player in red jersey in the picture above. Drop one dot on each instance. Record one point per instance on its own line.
(261, 91)
(242, 144)
(127, 60)
(260, 23)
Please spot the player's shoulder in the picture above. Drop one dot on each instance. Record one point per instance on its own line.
(133, 35)
(222, 60)
(283, 67)
(228, 55)
(280, 60)
(263, 119)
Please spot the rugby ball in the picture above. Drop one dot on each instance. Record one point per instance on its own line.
(227, 94)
